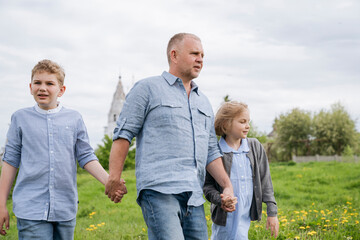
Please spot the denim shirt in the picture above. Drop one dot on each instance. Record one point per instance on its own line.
(44, 145)
(175, 135)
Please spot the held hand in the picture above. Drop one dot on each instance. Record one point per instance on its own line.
(115, 190)
(228, 203)
(4, 219)
(273, 224)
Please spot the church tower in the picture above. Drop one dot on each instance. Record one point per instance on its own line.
(115, 109)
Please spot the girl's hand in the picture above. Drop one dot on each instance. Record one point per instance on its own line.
(273, 224)
(228, 203)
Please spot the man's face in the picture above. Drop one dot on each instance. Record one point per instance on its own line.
(190, 58)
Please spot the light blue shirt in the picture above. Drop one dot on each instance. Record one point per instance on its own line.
(175, 135)
(237, 222)
(45, 145)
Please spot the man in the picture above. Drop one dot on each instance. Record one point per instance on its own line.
(175, 145)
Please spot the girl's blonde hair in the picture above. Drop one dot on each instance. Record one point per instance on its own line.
(226, 113)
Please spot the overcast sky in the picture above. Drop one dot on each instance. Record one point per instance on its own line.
(273, 55)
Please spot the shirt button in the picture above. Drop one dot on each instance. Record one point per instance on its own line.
(51, 169)
(50, 187)
(51, 151)
(49, 119)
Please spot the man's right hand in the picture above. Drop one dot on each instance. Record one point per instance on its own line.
(4, 219)
(115, 189)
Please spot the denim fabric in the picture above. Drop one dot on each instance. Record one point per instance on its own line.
(175, 135)
(169, 217)
(44, 230)
(45, 145)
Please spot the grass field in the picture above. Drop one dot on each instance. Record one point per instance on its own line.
(315, 200)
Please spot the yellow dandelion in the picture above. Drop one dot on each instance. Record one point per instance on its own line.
(296, 212)
(335, 219)
(322, 212)
(302, 227)
(316, 211)
(144, 230)
(356, 222)
(299, 176)
(292, 220)
(313, 232)
(307, 227)
(313, 204)
(329, 212)
(284, 220)
(102, 223)
(335, 225)
(348, 203)
(327, 220)
(296, 237)
(99, 225)
(322, 218)
(324, 230)
(345, 211)
(92, 225)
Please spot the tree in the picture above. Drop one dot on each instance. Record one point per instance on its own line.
(293, 134)
(334, 130)
(103, 153)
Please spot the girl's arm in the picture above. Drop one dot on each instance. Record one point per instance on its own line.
(8, 174)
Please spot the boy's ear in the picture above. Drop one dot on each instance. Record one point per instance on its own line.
(62, 91)
(30, 87)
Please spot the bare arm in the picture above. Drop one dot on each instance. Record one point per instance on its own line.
(119, 150)
(97, 171)
(217, 171)
(8, 174)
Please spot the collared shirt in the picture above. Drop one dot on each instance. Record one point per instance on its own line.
(45, 145)
(237, 222)
(175, 135)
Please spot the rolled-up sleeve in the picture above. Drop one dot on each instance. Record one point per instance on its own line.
(131, 118)
(12, 153)
(213, 151)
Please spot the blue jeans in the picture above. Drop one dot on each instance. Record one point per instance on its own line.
(168, 216)
(44, 230)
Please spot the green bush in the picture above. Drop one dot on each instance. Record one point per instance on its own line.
(103, 153)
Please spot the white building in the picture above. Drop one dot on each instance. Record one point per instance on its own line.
(115, 109)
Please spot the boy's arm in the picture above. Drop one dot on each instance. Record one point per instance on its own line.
(119, 150)
(8, 174)
(97, 171)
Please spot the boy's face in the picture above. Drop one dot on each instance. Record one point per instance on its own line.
(46, 89)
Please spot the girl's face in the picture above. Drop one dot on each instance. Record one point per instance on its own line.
(240, 126)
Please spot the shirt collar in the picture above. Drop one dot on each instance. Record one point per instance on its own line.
(244, 147)
(50, 111)
(171, 79)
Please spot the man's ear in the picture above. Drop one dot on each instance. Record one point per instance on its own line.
(173, 55)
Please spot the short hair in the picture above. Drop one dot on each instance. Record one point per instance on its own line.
(175, 40)
(49, 67)
(226, 113)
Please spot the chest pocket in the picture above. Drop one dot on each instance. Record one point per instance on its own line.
(165, 112)
(203, 119)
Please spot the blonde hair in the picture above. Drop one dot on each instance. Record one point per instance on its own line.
(226, 113)
(49, 67)
(175, 40)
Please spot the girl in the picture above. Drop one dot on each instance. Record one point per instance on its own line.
(246, 163)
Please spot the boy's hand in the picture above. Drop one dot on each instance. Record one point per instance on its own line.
(4, 219)
(228, 203)
(115, 190)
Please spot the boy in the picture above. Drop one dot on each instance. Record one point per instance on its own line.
(44, 142)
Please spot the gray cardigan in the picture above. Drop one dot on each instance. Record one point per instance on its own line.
(263, 189)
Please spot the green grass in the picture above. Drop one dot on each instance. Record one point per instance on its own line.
(315, 200)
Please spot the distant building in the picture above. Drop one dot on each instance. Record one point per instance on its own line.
(115, 109)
